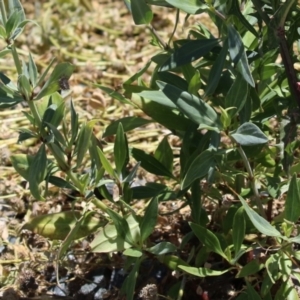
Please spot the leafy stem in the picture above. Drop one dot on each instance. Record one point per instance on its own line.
(252, 180)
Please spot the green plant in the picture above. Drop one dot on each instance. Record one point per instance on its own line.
(235, 105)
(221, 96)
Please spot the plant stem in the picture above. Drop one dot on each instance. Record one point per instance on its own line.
(16, 59)
(252, 180)
(175, 27)
(289, 66)
(163, 44)
(3, 12)
(35, 113)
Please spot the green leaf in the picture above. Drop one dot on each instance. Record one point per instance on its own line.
(272, 267)
(188, 6)
(43, 76)
(83, 142)
(141, 12)
(202, 272)
(12, 22)
(164, 154)
(236, 11)
(189, 52)
(193, 107)
(25, 134)
(292, 202)
(74, 123)
(24, 87)
(158, 97)
(253, 267)
(3, 36)
(162, 114)
(120, 150)
(259, 222)
(59, 155)
(206, 237)
(108, 239)
(61, 183)
(162, 248)
(251, 292)
(38, 171)
(105, 163)
(172, 261)
(128, 124)
(58, 225)
(287, 291)
(52, 85)
(195, 83)
(238, 229)
(238, 55)
(171, 78)
(248, 134)
(237, 95)
(58, 137)
(122, 226)
(136, 75)
(149, 219)
(150, 163)
(33, 73)
(133, 252)
(15, 6)
(21, 163)
(216, 70)
(115, 95)
(199, 167)
(73, 234)
(128, 286)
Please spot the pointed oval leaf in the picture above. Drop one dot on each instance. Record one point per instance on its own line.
(188, 6)
(105, 163)
(189, 52)
(164, 154)
(120, 150)
(38, 166)
(237, 95)
(83, 142)
(202, 272)
(149, 219)
(251, 268)
(199, 167)
(150, 163)
(292, 202)
(141, 12)
(238, 54)
(193, 107)
(238, 229)
(108, 239)
(216, 70)
(162, 114)
(122, 227)
(58, 225)
(162, 248)
(128, 124)
(52, 85)
(259, 222)
(248, 134)
(208, 239)
(21, 163)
